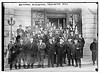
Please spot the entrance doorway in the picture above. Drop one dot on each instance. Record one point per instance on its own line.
(58, 22)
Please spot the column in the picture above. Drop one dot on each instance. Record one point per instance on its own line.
(45, 18)
(67, 17)
(58, 22)
(64, 23)
(31, 19)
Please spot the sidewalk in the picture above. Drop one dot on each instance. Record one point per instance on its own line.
(86, 67)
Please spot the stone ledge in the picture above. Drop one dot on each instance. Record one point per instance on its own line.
(8, 16)
(9, 11)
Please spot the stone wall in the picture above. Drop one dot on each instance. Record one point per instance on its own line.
(22, 16)
(89, 28)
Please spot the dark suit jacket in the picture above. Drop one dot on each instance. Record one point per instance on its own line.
(20, 31)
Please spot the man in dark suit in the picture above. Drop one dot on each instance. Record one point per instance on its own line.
(70, 52)
(60, 46)
(82, 42)
(93, 48)
(64, 52)
(10, 58)
(51, 49)
(56, 43)
(20, 31)
(46, 40)
(34, 49)
(78, 52)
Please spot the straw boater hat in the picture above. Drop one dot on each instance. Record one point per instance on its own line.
(75, 41)
(69, 40)
(61, 40)
(31, 39)
(50, 39)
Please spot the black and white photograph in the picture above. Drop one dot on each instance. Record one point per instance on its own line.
(50, 36)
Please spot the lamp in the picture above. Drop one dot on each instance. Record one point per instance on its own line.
(11, 22)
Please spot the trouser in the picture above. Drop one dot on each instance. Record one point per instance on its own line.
(41, 60)
(25, 52)
(59, 59)
(82, 52)
(11, 65)
(51, 59)
(94, 55)
(13, 58)
(9, 62)
(25, 56)
(64, 57)
(97, 57)
(21, 57)
(69, 63)
(55, 58)
(78, 62)
(41, 54)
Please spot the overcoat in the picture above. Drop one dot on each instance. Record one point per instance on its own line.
(93, 50)
(77, 51)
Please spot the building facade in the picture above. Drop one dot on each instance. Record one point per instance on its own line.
(87, 25)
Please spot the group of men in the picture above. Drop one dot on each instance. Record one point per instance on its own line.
(57, 46)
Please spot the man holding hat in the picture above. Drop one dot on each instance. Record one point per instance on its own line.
(41, 52)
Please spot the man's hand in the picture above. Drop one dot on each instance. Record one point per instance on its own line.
(77, 48)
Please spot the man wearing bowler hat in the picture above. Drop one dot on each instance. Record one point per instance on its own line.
(41, 53)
